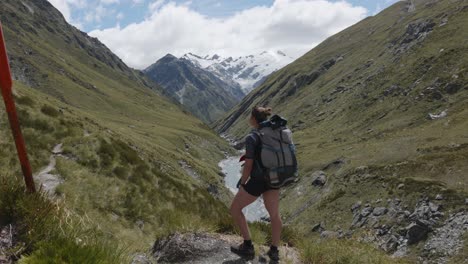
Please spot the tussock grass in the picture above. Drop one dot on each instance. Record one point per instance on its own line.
(316, 251)
(48, 233)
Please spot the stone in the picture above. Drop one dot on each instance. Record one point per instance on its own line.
(319, 178)
(439, 197)
(356, 206)
(434, 207)
(400, 186)
(378, 211)
(179, 248)
(141, 259)
(390, 245)
(366, 211)
(416, 232)
(318, 228)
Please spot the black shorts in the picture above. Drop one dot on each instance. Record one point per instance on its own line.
(257, 187)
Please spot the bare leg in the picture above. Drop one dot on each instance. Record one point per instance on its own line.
(241, 200)
(271, 201)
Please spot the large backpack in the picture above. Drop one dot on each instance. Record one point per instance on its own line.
(277, 152)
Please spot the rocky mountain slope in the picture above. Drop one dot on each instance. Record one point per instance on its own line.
(247, 71)
(131, 160)
(200, 91)
(379, 116)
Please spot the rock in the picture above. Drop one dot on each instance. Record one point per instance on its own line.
(366, 211)
(187, 247)
(438, 116)
(447, 239)
(141, 259)
(453, 88)
(390, 245)
(400, 186)
(439, 197)
(318, 228)
(8, 243)
(212, 189)
(319, 178)
(434, 207)
(356, 206)
(416, 232)
(378, 211)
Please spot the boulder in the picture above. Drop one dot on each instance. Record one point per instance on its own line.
(318, 228)
(319, 178)
(378, 211)
(416, 232)
(184, 247)
(366, 211)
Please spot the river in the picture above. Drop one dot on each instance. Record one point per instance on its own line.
(231, 167)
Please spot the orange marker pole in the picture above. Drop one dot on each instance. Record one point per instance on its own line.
(5, 86)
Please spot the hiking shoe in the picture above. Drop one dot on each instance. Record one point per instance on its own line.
(243, 250)
(273, 254)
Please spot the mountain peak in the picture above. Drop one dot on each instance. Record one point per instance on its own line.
(168, 58)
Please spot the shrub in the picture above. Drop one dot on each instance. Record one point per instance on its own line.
(25, 100)
(50, 111)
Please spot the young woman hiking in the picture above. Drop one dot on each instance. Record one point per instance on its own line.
(252, 185)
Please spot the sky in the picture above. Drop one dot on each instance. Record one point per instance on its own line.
(142, 31)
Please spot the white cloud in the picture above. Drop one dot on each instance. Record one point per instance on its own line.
(154, 6)
(294, 26)
(109, 2)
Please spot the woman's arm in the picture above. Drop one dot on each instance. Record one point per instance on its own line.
(247, 170)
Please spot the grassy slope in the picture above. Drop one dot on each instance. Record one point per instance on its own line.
(127, 170)
(390, 135)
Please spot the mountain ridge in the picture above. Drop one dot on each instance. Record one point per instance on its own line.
(248, 71)
(378, 110)
(200, 91)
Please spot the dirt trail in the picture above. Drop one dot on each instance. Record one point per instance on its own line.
(48, 181)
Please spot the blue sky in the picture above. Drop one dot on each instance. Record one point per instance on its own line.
(142, 31)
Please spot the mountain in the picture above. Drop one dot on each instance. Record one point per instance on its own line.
(379, 113)
(122, 160)
(247, 71)
(200, 91)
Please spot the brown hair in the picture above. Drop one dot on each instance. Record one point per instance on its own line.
(261, 113)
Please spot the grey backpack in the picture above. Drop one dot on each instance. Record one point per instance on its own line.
(277, 152)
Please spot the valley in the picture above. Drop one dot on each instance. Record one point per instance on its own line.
(140, 166)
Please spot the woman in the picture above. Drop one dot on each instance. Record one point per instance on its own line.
(252, 185)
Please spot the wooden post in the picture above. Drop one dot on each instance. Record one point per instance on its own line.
(5, 86)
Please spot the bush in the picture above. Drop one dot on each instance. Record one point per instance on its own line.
(50, 111)
(25, 100)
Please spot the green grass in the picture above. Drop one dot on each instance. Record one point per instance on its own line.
(48, 233)
(331, 251)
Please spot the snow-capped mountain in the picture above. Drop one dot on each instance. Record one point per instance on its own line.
(248, 71)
